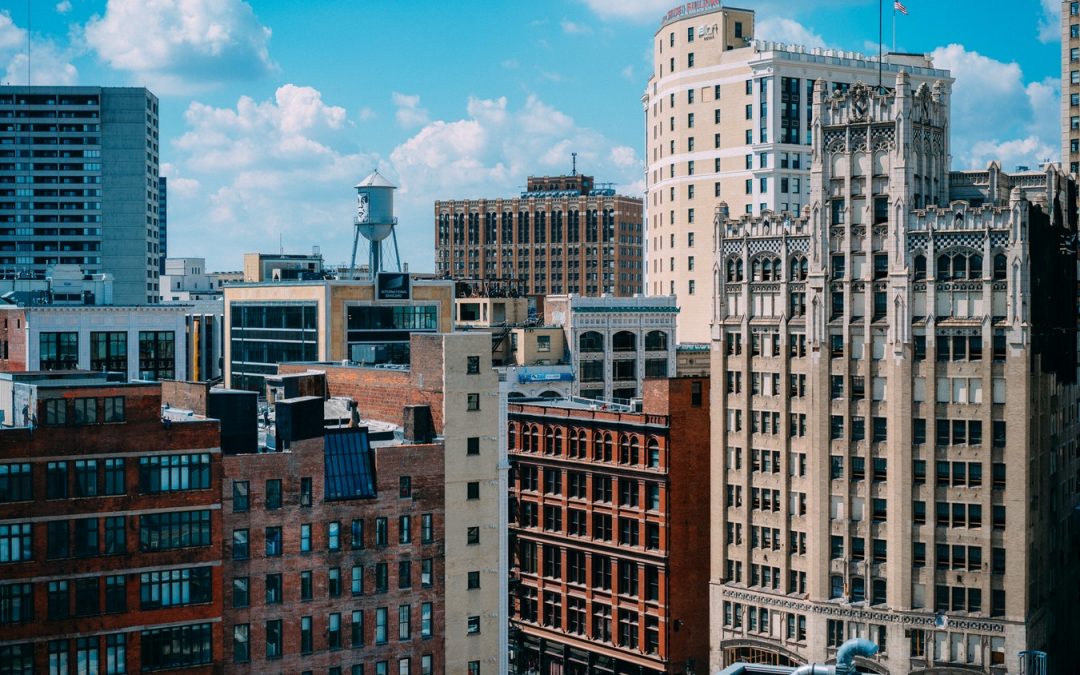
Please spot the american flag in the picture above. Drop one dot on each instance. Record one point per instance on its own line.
(899, 7)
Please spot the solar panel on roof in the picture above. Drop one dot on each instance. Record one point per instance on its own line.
(349, 464)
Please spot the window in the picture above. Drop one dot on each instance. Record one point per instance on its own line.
(114, 409)
(16, 603)
(333, 631)
(175, 588)
(305, 585)
(380, 531)
(381, 618)
(86, 537)
(426, 571)
(57, 544)
(174, 473)
(333, 536)
(59, 600)
(241, 595)
(472, 625)
(381, 577)
(273, 639)
(59, 351)
(16, 483)
(240, 496)
(472, 489)
(115, 594)
(357, 532)
(305, 635)
(240, 545)
(472, 365)
(56, 480)
(425, 620)
(305, 537)
(427, 528)
(273, 494)
(333, 582)
(472, 445)
(115, 654)
(86, 655)
(305, 491)
(84, 411)
(157, 355)
(404, 529)
(357, 628)
(175, 529)
(472, 535)
(273, 542)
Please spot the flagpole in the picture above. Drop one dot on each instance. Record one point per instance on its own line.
(894, 27)
(879, 47)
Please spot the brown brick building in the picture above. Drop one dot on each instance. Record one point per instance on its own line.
(609, 532)
(334, 557)
(562, 235)
(110, 526)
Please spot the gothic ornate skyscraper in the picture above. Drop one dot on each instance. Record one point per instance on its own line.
(895, 428)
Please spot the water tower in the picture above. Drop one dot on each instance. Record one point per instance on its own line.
(375, 221)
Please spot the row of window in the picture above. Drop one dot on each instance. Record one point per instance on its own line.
(334, 536)
(106, 477)
(577, 483)
(62, 411)
(108, 351)
(578, 524)
(89, 656)
(580, 444)
(630, 575)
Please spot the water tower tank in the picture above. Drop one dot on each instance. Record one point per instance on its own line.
(375, 207)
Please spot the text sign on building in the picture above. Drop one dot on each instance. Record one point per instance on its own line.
(393, 286)
(545, 377)
(690, 9)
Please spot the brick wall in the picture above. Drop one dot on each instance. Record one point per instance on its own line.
(13, 341)
(186, 395)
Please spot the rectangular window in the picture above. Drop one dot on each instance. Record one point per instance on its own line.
(175, 529)
(16, 482)
(273, 494)
(240, 545)
(59, 351)
(174, 473)
(241, 595)
(357, 628)
(381, 618)
(273, 542)
(333, 631)
(16, 603)
(333, 536)
(178, 647)
(115, 594)
(177, 588)
(333, 582)
(357, 533)
(157, 355)
(273, 639)
(115, 654)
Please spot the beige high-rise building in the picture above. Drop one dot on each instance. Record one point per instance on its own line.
(895, 429)
(729, 118)
(1070, 85)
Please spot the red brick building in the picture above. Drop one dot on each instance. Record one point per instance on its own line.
(609, 533)
(334, 557)
(110, 530)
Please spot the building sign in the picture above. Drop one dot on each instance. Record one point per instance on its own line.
(393, 286)
(529, 376)
(690, 9)
(707, 32)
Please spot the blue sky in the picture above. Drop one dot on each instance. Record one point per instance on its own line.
(271, 110)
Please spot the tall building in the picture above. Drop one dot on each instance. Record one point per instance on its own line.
(1070, 85)
(894, 425)
(110, 529)
(729, 118)
(79, 184)
(564, 234)
(163, 226)
(451, 374)
(609, 532)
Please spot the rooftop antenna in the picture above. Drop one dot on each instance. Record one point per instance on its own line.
(573, 156)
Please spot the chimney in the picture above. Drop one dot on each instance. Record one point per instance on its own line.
(418, 425)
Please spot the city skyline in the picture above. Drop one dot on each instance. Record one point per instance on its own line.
(270, 114)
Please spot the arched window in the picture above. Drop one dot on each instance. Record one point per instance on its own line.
(798, 269)
(557, 446)
(591, 341)
(635, 448)
(959, 266)
(653, 449)
(1001, 267)
(624, 341)
(598, 447)
(919, 266)
(975, 267)
(536, 438)
(549, 442)
(656, 340)
(609, 443)
(511, 437)
(731, 269)
(738, 270)
(755, 268)
(624, 450)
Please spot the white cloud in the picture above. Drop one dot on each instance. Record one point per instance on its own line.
(366, 114)
(262, 168)
(630, 10)
(409, 113)
(48, 63)
(780, 29)
(489, 153)
(181, 45)
(996, 114)
(628, 73)
(571, 28)
(63, 7)
(1049, 26)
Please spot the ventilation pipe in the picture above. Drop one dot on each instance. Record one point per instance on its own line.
(845, 659)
